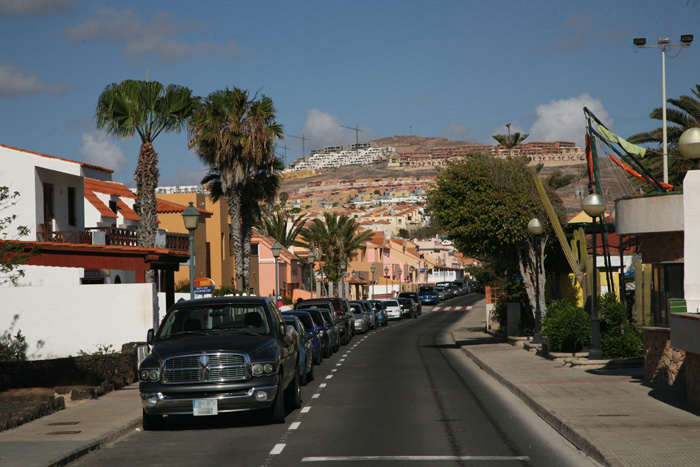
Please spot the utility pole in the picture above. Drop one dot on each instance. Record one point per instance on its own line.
(303, 146)
(285, 155)
(357, 138)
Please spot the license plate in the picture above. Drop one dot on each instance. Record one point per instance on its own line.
(204, 407)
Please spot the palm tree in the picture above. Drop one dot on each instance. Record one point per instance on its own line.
(332, 241)
(234, 135)
(146, 108)
(510, 141)
(283, 228)
(687, 115)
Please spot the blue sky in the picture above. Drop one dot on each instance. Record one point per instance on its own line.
(457, 69)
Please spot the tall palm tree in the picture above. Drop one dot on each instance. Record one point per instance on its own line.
(686, 115)
(146, 108)
(333, 240)
(509, 141)
(235, 135)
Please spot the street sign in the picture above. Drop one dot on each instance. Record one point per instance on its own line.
(203, 285)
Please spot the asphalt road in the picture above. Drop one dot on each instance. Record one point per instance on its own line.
(400, 395)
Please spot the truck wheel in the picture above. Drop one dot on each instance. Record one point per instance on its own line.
(152, 422)
(293, 392)
(275, 414)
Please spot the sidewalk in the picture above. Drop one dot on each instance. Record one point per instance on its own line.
(69, 434)
(608, 413)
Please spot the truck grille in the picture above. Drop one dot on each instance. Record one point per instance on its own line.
(203, 368)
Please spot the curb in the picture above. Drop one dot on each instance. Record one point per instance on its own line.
(95, 444)
(559, 424)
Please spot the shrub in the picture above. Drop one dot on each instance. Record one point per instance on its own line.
(13, 348)
(513, 291)
(566, 327)
(619, 337)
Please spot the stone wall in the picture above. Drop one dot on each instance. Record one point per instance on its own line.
(110, 371)
(662, 363)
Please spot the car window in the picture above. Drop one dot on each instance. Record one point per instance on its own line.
(426, 289)
(391, 303)
(224, 318)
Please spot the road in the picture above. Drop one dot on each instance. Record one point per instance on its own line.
(399, 395)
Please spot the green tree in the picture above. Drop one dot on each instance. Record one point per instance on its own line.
(333, 240)
(557, 179)
(12, 251)
(685, 115)
(235, 134)
(149, 109)
(509, 141)
(282, 227)
(484, 203)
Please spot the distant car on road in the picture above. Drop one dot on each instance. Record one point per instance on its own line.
(408, 306)
(415, 297)
(428, 295)
(392, 307)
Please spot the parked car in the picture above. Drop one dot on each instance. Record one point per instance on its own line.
(449, 290)
(346, 326)
(216, 355)
(463, 286)
(371, 313)
(408, 307)
(322, 329)
(306, 349)
(332, 323)
(416, 298)
(382, 319)
(311, 331)
(428, 295)
(441, 293)
(392, 307)
(361, 318)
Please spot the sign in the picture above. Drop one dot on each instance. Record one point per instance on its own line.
(203, 285)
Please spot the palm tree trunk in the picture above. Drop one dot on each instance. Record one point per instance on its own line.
(147, 175)
(234, 210)
(247, 237)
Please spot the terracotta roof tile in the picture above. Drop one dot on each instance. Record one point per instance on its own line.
(99, 205)
(96, 167)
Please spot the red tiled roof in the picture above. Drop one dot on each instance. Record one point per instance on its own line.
(169, 207)
(99, 205)
(108, 188)
(96, 167)
(126, 211)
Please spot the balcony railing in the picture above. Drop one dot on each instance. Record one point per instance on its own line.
(112, 236)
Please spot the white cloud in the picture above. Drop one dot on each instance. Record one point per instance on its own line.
(563, 120)
(141, 39)
(17, 82)
(34, 7)
(98, 149)
(457, 131)
(323, 129)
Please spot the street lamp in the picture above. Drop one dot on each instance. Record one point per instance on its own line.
(386, 280)
(536, 229)
(594, 206)
(425, 268)
(343, 265)
(689, 145)
(663, 43)
(311, 258)
(276, 250)
(400, 280)
(191, 218)
(372, 268)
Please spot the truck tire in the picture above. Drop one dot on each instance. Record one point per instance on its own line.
(293, 392)
(275, 414)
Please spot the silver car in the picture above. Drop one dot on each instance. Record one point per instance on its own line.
(392, 307)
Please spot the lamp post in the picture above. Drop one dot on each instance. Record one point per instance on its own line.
(689, 146)
(386, 280)
(311, 258)
(343, 265)
(400, 280)
(536, 228)
(191, 218)
(663, 43)
(276, 249)
(425, 267)
(372, 268)
(594, 206)
(412, 269)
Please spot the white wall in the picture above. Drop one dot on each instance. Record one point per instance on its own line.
(61, 321)
(691, 213)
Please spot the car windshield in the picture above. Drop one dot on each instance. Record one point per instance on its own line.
(227, 318)
(391, 303)
(316, 316)
(327, 317)
(306, 321)
(426, 290)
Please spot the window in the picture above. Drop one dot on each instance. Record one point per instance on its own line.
(72, 220)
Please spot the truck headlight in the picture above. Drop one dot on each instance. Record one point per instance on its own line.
(259, 369)
(149, 375)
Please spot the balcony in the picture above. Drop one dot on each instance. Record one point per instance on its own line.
(114, 236)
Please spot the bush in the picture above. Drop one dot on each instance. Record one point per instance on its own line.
(566, 327)
(13, 348)
(619, 338)
(513, 291)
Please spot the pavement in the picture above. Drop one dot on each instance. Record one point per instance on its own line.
(607, 410)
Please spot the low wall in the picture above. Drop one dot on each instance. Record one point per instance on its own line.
(662, 363)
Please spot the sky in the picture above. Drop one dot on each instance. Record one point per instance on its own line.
(457, 69)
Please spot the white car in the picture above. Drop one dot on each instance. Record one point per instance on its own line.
(393, 309)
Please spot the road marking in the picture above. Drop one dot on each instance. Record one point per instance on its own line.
(322, 385)
(294, 425)
(316, 396)
(342, 359)
(415, 458)
(277, 449)
(329, 376)
(338, 364)
(453, 308)
(334, 370)
(306, 409)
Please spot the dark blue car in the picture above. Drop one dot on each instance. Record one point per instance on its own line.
(311, 329)
(428, 295)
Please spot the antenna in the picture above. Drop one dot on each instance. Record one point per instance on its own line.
(357, 138)
(303, 140)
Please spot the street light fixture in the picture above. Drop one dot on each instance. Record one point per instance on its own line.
(311, 258)
(386, 280)
(689, 146)
(663, 43)
(343, 265)
(400, 281)
(536, 229)
(594, 206)
(372, 268)
(191, 218)
(412, 269)
(276, 250)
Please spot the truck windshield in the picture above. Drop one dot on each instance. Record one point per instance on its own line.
(229, 318)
